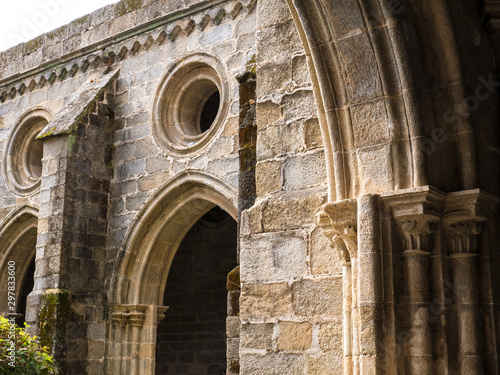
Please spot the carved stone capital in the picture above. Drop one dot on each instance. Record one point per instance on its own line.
(136, 318)
(121, 315)
(465, 214)
(462, 237)
(416, 233)
(339, 223)
(417, 213)
(119, 318)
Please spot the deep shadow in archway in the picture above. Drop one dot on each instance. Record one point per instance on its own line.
(192, 337)
(27, 288)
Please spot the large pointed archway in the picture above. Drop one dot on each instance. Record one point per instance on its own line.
(192, 337)
(140, 277)
(18, 236)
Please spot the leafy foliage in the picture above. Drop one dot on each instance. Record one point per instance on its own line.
(30, 358)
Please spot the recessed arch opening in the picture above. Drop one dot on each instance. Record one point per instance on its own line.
(18, 237)
(192, 337)
(148, 255)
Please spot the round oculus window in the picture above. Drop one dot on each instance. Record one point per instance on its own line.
(191, 104)
(23, 156)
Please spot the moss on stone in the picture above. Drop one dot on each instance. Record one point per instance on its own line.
(55, 312)
(33, 45)
(80, 21)
(48, 133)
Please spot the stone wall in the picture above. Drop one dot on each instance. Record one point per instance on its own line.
(350, 233)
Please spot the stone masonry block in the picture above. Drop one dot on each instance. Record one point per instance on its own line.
(257, 336)
(271, 12)
(272, 364)
(325, 363)
(268, 177)
(317, 297)
(278, 74)
(289, 210)
(278, 41)
(265, 300)
(233, 326)
(324, 258)
(312, 133)
(272, 257)
(294, 336)
(304, 170)
(330, 336)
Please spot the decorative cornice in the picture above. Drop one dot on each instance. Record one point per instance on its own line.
(118, 47)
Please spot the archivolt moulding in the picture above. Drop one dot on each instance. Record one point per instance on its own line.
(150, 245)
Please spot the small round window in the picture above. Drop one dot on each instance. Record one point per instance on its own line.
(191, 104)
(23, 157)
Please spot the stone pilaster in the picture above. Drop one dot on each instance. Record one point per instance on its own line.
(465, 214)
(417, 213)
(338, 221)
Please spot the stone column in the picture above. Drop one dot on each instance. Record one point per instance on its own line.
(133, 341)
(465, 214)
(417, 213)
(338, 221)
(370, 286)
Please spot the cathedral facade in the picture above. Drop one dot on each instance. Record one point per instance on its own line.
(256, 187)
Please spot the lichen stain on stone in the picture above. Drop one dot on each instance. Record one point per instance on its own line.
(126, 6)
(55, 312)
(47, 133)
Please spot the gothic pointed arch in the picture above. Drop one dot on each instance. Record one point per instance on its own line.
(140, 276)
(382, 125)
(152, 241)
(18, 235)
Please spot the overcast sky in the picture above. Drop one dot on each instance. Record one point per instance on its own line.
(22, 20)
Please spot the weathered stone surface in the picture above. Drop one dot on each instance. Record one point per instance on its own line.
(272, 364)
(330, 337)
(268, 113)
(312, 133)
(278, 140)
(304, 171)
(294, 336)
(278, 212)
(299, 104)
(265, 300)
(257, 336)
(325, 363)
(233, 326)
(268, 177)
(317, 297)
(272, 257)
(324, 258)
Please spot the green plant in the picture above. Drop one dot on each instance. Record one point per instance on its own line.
(21, 354)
